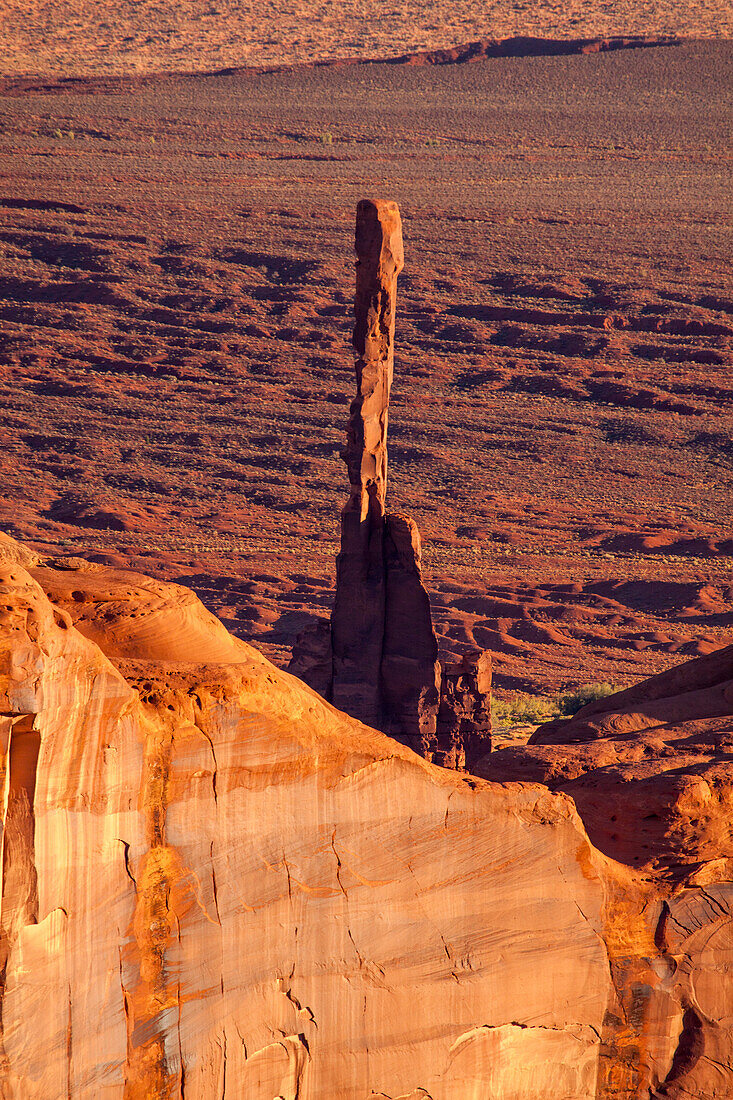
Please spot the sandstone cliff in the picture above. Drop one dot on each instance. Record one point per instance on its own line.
(215, 885)
(650, 770)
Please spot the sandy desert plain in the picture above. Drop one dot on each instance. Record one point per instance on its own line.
(215, 885)
(176, 303)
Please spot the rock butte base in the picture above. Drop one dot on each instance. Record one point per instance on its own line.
(215, 885)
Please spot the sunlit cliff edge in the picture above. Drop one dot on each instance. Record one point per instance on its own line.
(216, 885)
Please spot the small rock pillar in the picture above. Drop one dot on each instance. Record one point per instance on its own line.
(464, 717)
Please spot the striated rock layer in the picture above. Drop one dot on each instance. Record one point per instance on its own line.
(220, 885)
(650, 770)
(216, 886)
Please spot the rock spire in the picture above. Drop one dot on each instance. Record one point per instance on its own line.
(381, 650)
(359, 610)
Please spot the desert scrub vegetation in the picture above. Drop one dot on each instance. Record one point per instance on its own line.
(523, 710)
(572, 701)
(533, 710)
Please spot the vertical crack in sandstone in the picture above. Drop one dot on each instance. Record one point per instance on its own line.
(125, 998)
(447, 810)
(241, 1039)
(213, 882)
(455, 969)
(214, 775)
(286, 865)
(370, 969)
(163, 888)
(179, 1000)
(19, 892)
(69, 1051)
(690, 1049)
(338, 864)
(19, 898)
(224, 1065)
(128, 868)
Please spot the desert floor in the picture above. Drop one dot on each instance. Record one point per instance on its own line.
(175, 363)
(122, 36)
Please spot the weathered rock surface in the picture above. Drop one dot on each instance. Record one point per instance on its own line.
(312, 657)
(651, 772)
(216, 885)
(359, 609)
(650, 768)
(464, 718)
(214, 882)
(410, 672)
(527, 46)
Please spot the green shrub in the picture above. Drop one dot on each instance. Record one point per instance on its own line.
(572, 701)
(533, 710)
(326, 138)
(523, 710)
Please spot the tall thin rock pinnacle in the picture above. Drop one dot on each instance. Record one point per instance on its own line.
(358, 616)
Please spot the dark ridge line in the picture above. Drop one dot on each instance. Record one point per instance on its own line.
(517, 46)
(520, 46)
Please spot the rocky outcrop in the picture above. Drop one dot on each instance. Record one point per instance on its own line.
(650, 768)
(380, 664)
(464, 717)
(483, 48)
(651, 772)
(312, 657)
(526, 46)
(216, 885)
(409, 672)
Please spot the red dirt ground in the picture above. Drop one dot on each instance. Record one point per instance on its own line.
(175, 368)
(140, 36)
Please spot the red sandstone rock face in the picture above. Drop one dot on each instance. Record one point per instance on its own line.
(651, 772)
(359, 608)
(312, 657)
(410, 673)
(650, 768)
(215, 885)
(464, 718)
